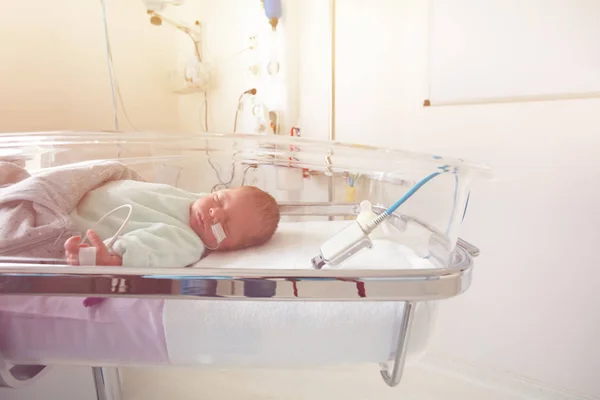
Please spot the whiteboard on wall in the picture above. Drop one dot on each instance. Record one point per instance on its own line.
(513, 50)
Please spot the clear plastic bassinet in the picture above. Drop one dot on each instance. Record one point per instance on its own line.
(386, 294)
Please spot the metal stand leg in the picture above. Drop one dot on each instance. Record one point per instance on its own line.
(107, 382)
(21, 375)
(17, 376)
(400, 357)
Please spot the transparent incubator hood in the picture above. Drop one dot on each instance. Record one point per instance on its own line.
(312, 180)
(321, 187)
(374, 306)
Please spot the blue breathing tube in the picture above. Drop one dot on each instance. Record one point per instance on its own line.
(409, 194)
(466, 206)
(414, 189)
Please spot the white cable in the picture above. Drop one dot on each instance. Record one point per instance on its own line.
(110, 66)
(86, 253)
(117, 97)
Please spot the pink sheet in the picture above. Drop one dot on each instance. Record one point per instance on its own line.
(50, 330)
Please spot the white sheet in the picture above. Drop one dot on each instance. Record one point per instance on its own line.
(295, 243)
(287, 334)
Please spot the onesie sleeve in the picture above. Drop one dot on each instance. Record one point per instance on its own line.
(159, 246)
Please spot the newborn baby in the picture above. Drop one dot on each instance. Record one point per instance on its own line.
(170, 227)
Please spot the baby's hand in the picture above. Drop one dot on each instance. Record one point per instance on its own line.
(103, 256)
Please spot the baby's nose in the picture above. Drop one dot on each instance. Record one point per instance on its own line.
(215, 214)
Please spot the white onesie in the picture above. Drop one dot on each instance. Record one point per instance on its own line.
(158, 233)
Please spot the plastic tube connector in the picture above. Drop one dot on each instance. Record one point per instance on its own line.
(350, 240)
(342, 246)
(318, 262)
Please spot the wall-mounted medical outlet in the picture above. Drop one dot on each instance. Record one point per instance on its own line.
(252, 42)
(193, 77)
(159, 5)
(274, 121)
(197, 74)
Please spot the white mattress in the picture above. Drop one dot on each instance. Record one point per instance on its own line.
(295, 243)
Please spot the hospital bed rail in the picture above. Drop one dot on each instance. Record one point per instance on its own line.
(404, 285)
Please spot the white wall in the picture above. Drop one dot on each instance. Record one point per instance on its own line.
(54, 72)
(532, 310)
(304, 76)
(227, 28)
(53, 75)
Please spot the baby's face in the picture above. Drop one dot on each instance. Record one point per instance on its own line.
(228, 207)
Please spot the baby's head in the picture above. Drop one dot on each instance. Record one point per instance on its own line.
(248, 215)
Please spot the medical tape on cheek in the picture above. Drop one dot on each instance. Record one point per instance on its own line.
(218, 232)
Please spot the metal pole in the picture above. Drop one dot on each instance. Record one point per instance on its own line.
(332, 20)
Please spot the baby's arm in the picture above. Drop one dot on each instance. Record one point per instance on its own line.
(103, 256)
(160, 245)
